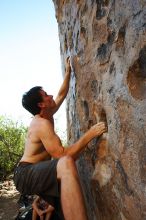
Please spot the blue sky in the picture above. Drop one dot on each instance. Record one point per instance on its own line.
(29, 53)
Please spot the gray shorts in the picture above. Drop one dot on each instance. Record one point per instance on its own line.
(39, 179)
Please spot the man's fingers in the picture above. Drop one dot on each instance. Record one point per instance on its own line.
(67, 60)
(100, 128)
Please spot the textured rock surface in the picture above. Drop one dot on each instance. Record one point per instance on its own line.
(107, 43)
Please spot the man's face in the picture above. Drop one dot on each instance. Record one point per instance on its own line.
(47, 100)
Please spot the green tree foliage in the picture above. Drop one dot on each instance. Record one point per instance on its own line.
(12, 137)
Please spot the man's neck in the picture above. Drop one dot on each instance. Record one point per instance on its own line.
(47, 115)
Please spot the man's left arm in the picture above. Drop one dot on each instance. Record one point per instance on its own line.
(65, 85)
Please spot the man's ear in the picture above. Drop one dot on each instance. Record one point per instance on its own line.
(41, 105)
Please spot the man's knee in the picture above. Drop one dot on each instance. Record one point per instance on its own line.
(66, 165)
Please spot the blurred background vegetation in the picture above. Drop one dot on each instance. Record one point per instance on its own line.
(12, 138)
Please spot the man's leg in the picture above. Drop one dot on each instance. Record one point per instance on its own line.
(34, 215)
(72, 200)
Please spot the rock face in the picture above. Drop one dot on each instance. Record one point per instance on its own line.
(107, 43)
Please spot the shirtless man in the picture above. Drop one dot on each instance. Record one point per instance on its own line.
(57, 178)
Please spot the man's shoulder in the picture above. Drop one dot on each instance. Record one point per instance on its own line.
(43, 123)
(39, 123)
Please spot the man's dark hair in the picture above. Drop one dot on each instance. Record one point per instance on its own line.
(31, 99)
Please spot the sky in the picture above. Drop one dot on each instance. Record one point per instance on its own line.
(29, 54)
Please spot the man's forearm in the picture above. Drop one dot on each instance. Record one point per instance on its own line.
(75, 149)
(65, 85)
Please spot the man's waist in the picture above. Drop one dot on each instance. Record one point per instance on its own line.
(22, 163)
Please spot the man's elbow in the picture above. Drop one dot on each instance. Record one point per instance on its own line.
(68, 152)
(65, 151)
(59, 154)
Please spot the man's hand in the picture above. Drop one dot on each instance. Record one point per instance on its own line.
(99, 128)
(67, 65)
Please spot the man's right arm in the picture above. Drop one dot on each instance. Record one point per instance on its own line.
(53, 144)
(95, 131)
